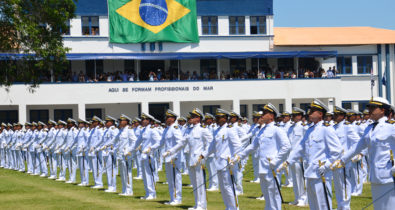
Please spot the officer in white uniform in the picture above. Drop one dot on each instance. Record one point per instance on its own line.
(379, 138)
(41, 166)
(295, 134)
(52, 131)
(243, 138)
(254, 129)
(107, 148)
(274, 146)
(225, 145)
(58, 147)
(149, 138)
(196, 137)
(81, 151)
(123, 142)
(137, 156)
(366, 121)
(2, 145)
(286, 124)
(348, 137)
(94, 154)
(171, 136)
(70, 150)
(320, 144)
(210, 162)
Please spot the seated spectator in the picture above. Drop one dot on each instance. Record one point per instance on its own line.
(151, 76)
(75, 77)
(330, 73)
(81, 77)
(323, 74)
(306, 74)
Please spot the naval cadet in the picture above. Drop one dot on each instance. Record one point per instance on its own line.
(210, 163)
(379, 139)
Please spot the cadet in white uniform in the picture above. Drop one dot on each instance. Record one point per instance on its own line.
(107, 148)
(341, 177)
(274, 146)
(60, 142)
(82, 140)
(286, 119)
(196, 137)
(2, 145)
(225, 145)
(295, 134)
(319, 147)
(210, 162)
(51, 138)
(123, 142)
(149, 138)
(171, 136)
(70, 151)
(94, 154)
(379, 138)
(41, 166)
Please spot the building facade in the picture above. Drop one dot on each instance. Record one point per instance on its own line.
(239, 50)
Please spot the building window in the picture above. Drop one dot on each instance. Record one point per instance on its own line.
(257, 107)
(346, 105)
(236, 25)
(211, 109)
(281, 108)
(208, 68)
(344, 64)
(209, 25)
(243, 110)
(63, 114)
(365, 64)
(305, 106)
(94, 68)
(39, 115)
(258, 25)
(9, 116)
(89, 113)
(90, 26)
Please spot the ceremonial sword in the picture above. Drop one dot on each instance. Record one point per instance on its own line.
(276, 181)
(324, 185)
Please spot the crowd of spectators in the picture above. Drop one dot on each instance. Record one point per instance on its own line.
(160, 75)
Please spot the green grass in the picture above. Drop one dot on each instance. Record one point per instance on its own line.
(23, 191)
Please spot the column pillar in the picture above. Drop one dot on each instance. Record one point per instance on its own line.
(218, 68)
(137, 68)
(145, 107)
(81, 111)
(22, 113)
(355, 106)
(177, 108)
(236, 105)
(288, 104)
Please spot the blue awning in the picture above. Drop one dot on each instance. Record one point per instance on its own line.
(183, 56)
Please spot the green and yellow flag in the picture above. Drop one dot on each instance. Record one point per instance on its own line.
(140, 21)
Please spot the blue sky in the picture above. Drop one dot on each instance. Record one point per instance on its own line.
(330, 13)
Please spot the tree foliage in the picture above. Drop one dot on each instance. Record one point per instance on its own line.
(33, 28)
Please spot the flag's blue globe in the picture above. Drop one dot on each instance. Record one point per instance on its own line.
(153, 12)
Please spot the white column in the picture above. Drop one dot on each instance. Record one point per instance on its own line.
(354, 65)
(236, 106)
(81, 111)
(355, 106)
(22, 113)
(288, 104)
(51, 113)
(176, 107)
(219, 68)
(145, 107)
(247, 25)
(137, 69)
(338, 102)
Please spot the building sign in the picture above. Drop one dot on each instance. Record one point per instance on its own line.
(161, 89)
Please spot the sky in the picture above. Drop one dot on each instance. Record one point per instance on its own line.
(332, 13)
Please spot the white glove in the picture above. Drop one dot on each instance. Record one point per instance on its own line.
(393, 171)
(283, 166)
(322, 169)
(167, 153)
(272, 164)
(234, 160)
(103, 148)
(147, 150)
(357, 158)
(126, 153)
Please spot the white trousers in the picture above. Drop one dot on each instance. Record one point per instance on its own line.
(125, 170)
(270, 192)
(199, 191)
(316, 193)
(387, 201)
(299, 187)
(228, 188)
(356, 174)
(110, 169)
(213, 181)
(175, 188)
(95, 164)
(342, 188)
(148, 177)
(238, 173)
(84, 171)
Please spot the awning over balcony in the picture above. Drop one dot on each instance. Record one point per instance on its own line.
(183, 56)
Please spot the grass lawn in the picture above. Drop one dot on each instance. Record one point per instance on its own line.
(23, 191)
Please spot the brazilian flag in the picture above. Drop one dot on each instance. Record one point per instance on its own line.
(140, 21)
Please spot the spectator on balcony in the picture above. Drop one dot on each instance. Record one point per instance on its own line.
(159, 75)
(323, 74)
(75, 77)
(152, 76)
(81, 77)
(194, 76)
(261, 74)
(330, 73)
(334, 70)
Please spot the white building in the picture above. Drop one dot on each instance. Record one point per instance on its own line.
(235, 37)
